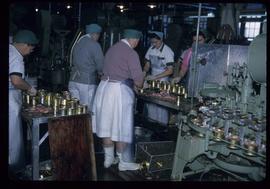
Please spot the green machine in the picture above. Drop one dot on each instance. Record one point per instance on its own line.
(227, 132)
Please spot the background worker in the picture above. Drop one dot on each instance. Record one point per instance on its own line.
(87, 60)
(186, 56)
(160, 59)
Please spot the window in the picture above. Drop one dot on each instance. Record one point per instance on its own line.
(252, 29)
(250, 25)
(192, 20)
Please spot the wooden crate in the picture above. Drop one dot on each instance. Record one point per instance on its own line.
(72, 147)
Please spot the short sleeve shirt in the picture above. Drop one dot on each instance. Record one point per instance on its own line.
(164, 53)
(16, 63)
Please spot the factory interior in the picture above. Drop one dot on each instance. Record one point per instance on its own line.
(216, 114)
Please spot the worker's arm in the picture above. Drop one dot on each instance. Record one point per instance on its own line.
(146, 67)
(21, 84)
(167, 72)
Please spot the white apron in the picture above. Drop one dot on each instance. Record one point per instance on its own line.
(16, 158)
(113, 111)
(84, 92)
(155, 112)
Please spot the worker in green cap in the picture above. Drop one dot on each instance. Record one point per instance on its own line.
(23, 44)
(87, 63)
(112, 118)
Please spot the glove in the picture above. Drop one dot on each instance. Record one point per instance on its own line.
(150, 77)
(175, 80)
(32, 91)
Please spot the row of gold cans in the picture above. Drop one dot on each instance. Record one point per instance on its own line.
(62, 103)
(166, 86)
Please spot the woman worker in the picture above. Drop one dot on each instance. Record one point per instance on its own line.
(160, 58)
(112, 118)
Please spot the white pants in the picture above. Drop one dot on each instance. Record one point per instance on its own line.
(84, 92)
(113, 112)
(16, 158)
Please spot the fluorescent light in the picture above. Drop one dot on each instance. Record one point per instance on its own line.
(211, 15)
(120, 6)
(36, 9)
(197, 17)
(152, 6)
(68, 6)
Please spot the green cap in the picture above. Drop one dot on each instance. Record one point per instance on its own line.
(131, 33)
(25, 36)
(93, 28)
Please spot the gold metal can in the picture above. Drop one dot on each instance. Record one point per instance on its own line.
(62, 111)
(48, 100)
(66, 94)
(41, 92)
(55, 110)
(79, 109)
(178, 101)
(153, 84)
(174, 89)
(42, 98)
(168, 88)
(56, 102)
(158, 84)
(183, 91)
(71, 104)
(70, 111)
(63, 102)
(179, 90)
(27, 99)
(84, 109)
(33, 101)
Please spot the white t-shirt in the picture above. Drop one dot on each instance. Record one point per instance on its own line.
(16, 63)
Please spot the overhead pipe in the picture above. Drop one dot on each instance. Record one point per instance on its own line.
(79, 15)
(194, 5)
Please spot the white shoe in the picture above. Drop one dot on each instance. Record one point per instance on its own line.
(109, 156)
(125, 166)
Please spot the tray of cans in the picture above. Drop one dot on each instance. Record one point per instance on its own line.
(163, 90)
(58, 104)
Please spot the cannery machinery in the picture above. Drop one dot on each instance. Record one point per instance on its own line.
(227, 131)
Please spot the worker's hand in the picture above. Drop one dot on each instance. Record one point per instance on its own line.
(150, 77)
(175, 80)
(135, 88)
(145, 85)
(144, 74)
(32, 91)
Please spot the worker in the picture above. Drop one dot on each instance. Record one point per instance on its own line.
(160, 58)
(87, 60)
(23, 44)
(114, 101)
(186, 57)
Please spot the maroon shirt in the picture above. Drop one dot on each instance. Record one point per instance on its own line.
(122, 62)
